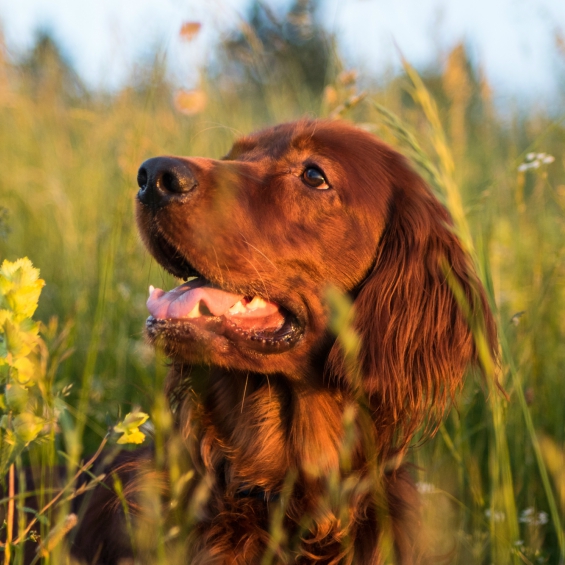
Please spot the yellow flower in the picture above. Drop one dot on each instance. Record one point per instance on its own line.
(130, 428)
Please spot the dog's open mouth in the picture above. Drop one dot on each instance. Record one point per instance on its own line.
(199, 305)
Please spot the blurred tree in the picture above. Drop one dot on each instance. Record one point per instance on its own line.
(46, 71)
(291, 49)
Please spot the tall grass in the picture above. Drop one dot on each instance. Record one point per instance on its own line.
(493, 479)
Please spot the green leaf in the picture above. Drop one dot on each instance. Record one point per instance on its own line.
(21, 338)
(16, 397)
(3, 348)
(4, 371)
(27, 426)
(23, 371)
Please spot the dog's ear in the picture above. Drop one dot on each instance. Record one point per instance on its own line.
(415, 337)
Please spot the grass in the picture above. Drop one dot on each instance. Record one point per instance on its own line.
(493, 478)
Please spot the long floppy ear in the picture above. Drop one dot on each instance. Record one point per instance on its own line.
(416, 341)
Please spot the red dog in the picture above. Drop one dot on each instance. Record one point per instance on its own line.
(289, 213)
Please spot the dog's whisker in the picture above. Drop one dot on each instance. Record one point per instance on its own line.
(265, 289)
(213, 127)
(220, 270)
(257, 249)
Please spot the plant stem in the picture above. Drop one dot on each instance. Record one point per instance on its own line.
(10, 516)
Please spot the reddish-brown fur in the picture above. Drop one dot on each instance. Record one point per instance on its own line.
(380, 237)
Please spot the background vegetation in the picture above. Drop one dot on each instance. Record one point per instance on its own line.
(493, 479)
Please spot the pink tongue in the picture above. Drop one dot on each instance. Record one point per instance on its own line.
(180, 301)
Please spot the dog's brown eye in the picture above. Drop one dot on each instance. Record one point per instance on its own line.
(314, 177)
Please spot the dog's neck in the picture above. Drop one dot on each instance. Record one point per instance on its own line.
(259, 428)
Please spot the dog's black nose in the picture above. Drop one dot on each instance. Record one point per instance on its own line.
(163, 179)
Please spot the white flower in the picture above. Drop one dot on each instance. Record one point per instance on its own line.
(425, 488)
(529, 516)
(496, 515)
(535, 160)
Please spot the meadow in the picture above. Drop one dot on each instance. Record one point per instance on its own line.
(493, 477)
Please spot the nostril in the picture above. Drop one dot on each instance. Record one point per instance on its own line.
(142, 178)
(162, 179)
(176, 179)
(170, 182)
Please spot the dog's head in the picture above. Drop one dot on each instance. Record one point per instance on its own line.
(261, 234)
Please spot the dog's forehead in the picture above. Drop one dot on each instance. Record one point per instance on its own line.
(272, 143)
(288, 140)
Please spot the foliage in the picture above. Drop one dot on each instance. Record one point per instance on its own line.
(30, 408)
(21, 369)
(279, 50)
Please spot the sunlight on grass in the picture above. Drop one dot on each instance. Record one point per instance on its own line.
(492, 480)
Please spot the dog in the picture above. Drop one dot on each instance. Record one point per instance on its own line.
(275, 241)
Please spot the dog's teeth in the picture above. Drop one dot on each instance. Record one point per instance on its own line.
(256, 303)
(195, 312)
(151, 289)
(237, 308)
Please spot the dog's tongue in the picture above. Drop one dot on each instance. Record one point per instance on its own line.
(199, 297)
(184, 300)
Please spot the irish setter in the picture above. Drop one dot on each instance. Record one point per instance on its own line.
(267, 238)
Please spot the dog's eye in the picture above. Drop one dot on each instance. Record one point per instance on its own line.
(315, 178)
